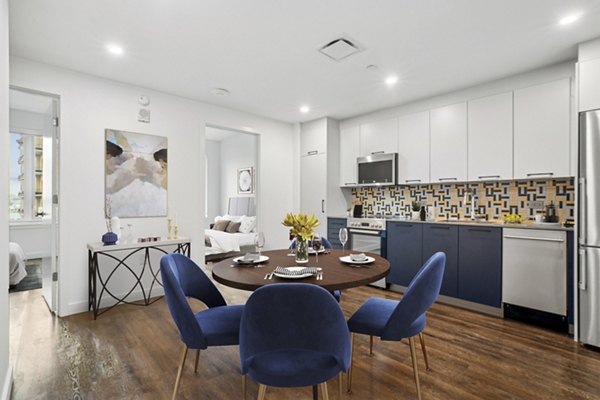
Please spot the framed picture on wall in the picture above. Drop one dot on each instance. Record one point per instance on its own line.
(245, 180)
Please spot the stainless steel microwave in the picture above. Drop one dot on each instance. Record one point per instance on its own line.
(377, 169)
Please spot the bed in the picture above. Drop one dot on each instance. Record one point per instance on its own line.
(16, 264)
(220, 244)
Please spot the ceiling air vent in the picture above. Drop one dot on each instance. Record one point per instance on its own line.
(339, 49)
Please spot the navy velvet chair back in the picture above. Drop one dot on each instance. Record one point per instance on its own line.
(421, 293)
(326, 243)
(293, 316)
(182, 277)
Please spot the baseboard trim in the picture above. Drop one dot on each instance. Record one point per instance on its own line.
(107, 301)
(7, 385)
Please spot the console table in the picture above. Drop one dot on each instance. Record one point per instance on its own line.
(123, 254)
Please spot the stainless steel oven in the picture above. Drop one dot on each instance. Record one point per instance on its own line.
(367, 235)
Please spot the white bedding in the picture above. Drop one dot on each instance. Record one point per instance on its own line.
(224, 242)
(16, 264)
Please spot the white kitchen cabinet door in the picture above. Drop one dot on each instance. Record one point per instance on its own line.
(413, 148)
(542, 130)
(313, 188)
(589, 85)
(349, 151)
(313, 137)
(379, 137)
(490, 133)
(449, 143)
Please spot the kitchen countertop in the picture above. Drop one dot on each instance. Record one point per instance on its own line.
(490, 224)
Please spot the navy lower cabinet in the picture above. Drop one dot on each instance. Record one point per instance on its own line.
(440, 237)
(404, 251)
(480, 265)
(333, 231)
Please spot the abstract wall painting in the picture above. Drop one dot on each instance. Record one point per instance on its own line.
(136, 174)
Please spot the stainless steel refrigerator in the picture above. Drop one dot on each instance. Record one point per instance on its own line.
(589, 227)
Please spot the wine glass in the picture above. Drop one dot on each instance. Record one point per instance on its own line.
(259, 241)
(343, 235)
(316, 245)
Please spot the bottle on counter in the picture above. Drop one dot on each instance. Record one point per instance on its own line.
(423, 212)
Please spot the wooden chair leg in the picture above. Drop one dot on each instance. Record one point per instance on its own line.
(196, 363)
(422, 339)
(324, 390)
(351, 362)
(262, 391)
(244, 387)
(340, 385)
(315, 390)
(371, 346)
(180, 371)
(413, 355)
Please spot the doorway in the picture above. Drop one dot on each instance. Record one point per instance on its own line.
(33, 193)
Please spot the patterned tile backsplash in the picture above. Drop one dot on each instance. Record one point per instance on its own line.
(492, 199)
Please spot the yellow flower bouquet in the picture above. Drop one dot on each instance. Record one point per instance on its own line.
(302, 228)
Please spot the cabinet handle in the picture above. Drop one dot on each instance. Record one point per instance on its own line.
(541, 174)
(479, 230)
(313, 152)
(582, 211)
(323, 206)
(533, 238)
(489, 177)
(447, 179)
(440, 227)
(349, 183)
(412, 180)
(378, 152)
(405, 225)
(582, 284)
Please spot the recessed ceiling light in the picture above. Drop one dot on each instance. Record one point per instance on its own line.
(391, 80)
(114, 49)
(220, 92)
(569, 19)
(304, 109)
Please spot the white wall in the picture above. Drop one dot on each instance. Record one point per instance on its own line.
(5, 370)
(88, 106)
(213, 185)
(236, 152)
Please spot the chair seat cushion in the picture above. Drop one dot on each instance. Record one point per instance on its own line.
(293, 368)
(372, 317)
(221, 325)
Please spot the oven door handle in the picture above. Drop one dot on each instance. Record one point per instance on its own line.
(364, 232)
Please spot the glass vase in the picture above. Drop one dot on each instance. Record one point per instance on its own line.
(301, 251)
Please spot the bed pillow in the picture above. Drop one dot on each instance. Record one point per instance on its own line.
(221, 225)
(233, 227)
(247, 224)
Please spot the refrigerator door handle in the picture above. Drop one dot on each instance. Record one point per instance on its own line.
(582, 211)
(582, 270)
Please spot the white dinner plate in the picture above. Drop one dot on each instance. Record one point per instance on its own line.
(285, 276)
(312, 251)
(240, 260)
(348, 260)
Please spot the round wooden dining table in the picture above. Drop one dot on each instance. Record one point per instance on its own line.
(336, 274)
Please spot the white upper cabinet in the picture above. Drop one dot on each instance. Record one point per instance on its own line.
(589, 85)
(449, 143)
(379, 137)
(349, 151)
(541, 130)
(413, 148)
(490, 133)
(313, 139)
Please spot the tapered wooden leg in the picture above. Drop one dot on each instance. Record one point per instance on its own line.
(340, 385)
(196, 363)
(371, 346)
(351, 362)
(324, 390)
(244, 387)
(422, 339)
(413, 355)
(262, 391)
(180, 371)
(315, 392)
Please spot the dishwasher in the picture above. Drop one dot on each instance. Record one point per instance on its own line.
(534, 270)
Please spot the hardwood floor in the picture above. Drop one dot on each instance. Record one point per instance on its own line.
(133, 353)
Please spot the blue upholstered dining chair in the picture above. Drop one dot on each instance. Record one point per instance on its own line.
(218, 325)
(293, 335)
(396, 320)
(326, 245)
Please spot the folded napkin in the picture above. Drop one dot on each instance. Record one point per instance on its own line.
(250, 257)
(285, 271)
(358, 257)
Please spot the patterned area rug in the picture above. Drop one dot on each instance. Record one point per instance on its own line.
(33, 280)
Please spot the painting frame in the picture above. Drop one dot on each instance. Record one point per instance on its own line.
(245, 180)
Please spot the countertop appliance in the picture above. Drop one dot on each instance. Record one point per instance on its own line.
(368, 235)
(589, 228)
(378, 169)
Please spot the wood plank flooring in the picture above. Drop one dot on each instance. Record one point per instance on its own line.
(132, 353)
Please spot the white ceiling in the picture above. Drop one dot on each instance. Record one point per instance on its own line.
(265, 51)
